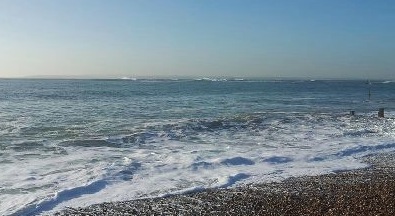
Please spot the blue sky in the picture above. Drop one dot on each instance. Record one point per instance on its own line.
(217, 38)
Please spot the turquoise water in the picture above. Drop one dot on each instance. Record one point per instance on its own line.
(74, 142)
(113, 106)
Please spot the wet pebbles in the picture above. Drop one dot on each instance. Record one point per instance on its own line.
(369, 191)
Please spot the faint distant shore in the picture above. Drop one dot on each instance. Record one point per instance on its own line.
(368, 191)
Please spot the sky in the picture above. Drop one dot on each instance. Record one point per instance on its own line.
(313, 39)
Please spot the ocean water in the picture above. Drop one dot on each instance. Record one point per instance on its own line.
(80, 142)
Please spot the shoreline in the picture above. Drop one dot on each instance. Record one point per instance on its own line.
(366, 191)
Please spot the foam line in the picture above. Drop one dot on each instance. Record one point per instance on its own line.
(233, 179)
(357, 150)
(360, 149)
(47, 205)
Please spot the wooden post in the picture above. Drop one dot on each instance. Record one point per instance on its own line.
(369, 89)
(370, 93)
(352, 112)
(381, 112)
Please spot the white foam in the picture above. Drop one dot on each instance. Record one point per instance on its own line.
(306, 145)
(129, 78)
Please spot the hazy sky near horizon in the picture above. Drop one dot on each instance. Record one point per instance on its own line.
(214, 38)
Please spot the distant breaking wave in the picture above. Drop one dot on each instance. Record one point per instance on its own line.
(219, 79)
(129, 78)
(211, 79)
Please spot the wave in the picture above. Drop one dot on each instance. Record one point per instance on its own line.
(211, 79)
(237, 161)
(357, 150)
(39, 147)
(27, 146)
(268, 126)
(363, 132)
(89, 143)
(233, 179)
(278, 160)
(62, 196)
(364, 149)
(129, 78)
(167, 153)
(38, 207)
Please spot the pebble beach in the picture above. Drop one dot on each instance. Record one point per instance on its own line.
(367, 191)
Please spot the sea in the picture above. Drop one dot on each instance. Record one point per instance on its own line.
(72, 143)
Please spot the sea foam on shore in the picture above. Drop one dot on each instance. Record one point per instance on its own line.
(368, 191)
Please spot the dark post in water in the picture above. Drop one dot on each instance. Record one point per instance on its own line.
(381, 112)
(369, 88)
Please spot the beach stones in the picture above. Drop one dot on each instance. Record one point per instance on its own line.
(369, 191)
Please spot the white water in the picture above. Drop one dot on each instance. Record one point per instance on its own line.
(272, 151)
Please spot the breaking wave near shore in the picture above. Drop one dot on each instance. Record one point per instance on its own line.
(76, 143)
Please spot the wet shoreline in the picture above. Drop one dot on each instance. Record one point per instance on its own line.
(368, 191)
